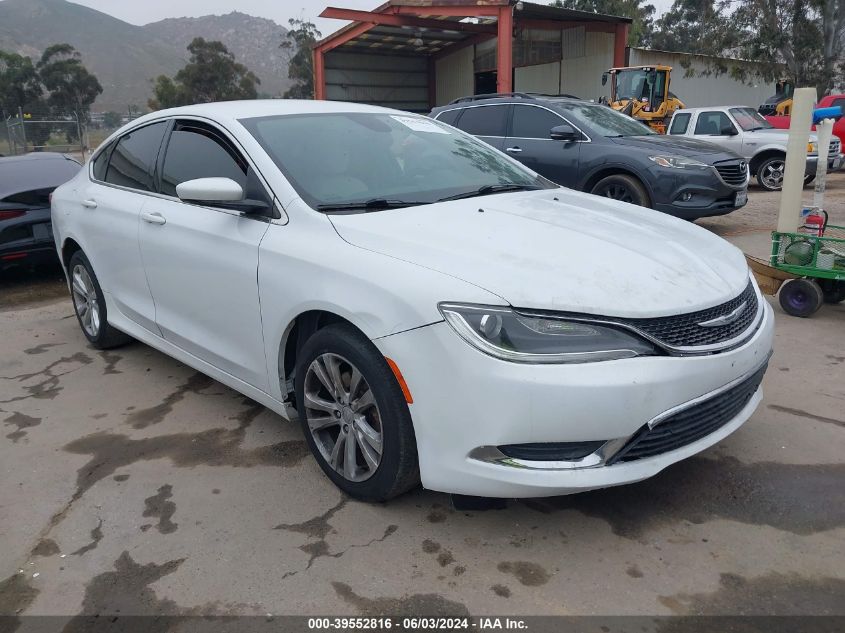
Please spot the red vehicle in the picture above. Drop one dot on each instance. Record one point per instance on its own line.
(782, 122)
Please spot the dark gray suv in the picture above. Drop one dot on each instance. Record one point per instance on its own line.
(590, 147)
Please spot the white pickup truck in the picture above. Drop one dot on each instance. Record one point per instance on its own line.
(743, 130)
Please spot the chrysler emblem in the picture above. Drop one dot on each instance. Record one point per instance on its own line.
(725, 319)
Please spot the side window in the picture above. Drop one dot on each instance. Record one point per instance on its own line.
(680, 123)
(199, 151)
(101, 163)
(133, 159)
(485, 120)
(712, 123)
(533, 122)
(839, 102)
(450, 116)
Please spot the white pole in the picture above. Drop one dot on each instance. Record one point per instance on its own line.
(796, 159)
(824, 130)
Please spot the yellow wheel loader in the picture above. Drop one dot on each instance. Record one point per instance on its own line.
(642, 92)
(781, 103)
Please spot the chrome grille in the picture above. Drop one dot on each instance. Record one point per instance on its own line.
(684, 330)
(835, 145)
(692, 424)
(732, 172)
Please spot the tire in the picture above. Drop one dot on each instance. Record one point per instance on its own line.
(338, 350)
(770, 173)
(90, 306)
(809, 178)
(623, 188)
(800, 297)
(833, 291)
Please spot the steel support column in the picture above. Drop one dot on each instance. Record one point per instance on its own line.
(620, 42)
(504, 51)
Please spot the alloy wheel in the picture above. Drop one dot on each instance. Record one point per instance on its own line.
(618, 192)
(343, 417)
(772, 174)
(85, 300)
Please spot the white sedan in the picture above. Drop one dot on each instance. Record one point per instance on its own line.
(431, 310)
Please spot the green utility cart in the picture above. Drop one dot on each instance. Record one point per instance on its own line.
(810, 269)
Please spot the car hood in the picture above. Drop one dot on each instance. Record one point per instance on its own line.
(678, 145)
(559, 249)
(774, 135)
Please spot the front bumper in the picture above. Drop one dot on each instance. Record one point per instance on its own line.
(465, 401)
(835, 162)
(707, 193)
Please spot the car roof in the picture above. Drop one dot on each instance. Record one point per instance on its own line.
(718, 107)
(31, 172)
(35, 156)
(247, 109)
(521, 98)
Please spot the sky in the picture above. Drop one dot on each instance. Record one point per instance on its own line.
(279, 10)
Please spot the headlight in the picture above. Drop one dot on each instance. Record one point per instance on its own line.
(505, 334)
(812, 147)
(678, 162)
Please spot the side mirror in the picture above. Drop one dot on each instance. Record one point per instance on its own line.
(564, 132)
(604, 79)
(728, 130)
(210, 190)
(219, 192)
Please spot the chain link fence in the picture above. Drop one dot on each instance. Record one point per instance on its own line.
(50, 130)
(44, 131)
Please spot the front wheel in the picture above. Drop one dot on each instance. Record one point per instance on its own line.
(354, 415)
(90, 305)
(623, 188)
(770, 173)
(800, 297)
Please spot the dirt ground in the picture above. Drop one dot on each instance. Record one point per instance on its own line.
(131, 484)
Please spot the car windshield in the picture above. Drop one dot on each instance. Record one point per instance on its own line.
(381, 160)
(605, 121)
(749, 119)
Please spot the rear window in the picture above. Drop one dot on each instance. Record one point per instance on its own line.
(485, 120)
(37, 198)
(133, 159)
(101, 163)
(680, 123)
(450, 116)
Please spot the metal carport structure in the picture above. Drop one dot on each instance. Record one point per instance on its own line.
(389, 56)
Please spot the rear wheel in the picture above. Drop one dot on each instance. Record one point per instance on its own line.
(833, 291)
(90, 306)
(354, 415)
(623, 188)
(800, 297)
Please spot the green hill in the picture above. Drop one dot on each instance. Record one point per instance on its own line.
(125, 57)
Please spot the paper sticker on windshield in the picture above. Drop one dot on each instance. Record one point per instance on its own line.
(419, 124)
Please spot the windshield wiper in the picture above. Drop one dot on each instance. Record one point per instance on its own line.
(487, 190)
(374, 204)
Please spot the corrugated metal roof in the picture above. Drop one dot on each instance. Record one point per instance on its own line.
(427, 40)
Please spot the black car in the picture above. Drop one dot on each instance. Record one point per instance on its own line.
(26, 235)
(591, 147)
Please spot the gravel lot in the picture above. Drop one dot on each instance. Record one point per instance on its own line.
(131, 484)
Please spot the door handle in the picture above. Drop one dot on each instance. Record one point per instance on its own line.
(513, 150)
(89, 204)
(153, 218)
